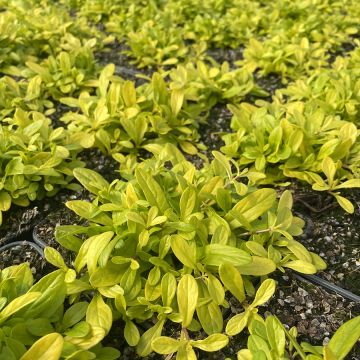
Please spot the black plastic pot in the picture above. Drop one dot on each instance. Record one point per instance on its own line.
(22, 243)
(37, 239)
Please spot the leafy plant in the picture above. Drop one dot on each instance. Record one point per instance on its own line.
(268, 339)
(36, 160)
(295, 140)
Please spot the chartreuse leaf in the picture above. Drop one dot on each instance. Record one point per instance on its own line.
(187, 296)
(165, 345)
(168, 289)
(258, 267)
(232, 280)
(345, 338)
(213, 342)
(17, 304)
(237, 323)
(217, 254)
(131, 333)
(54, 257)
(276, 336)
(91, 180)
(144, 346)
(99, 314)
(184, 251)
(48, 347)
(264, 293)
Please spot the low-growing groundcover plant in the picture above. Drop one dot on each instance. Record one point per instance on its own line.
(122, 118)
(35, 159)
(165, 246)
(166, 249)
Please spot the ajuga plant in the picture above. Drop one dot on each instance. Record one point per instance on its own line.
(33, 30)
(296, 140)
(166, 246)
(336, 91)
(23, 94)
(67, 73)
(35, 159)
(271, 341)
(37, 321)
(123, 119)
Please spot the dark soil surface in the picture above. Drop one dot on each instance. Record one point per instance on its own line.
(25, 253)
(103, 164)
(316, 313)
(44, 232)
(229, 55)
(114, 54)
(335, 236)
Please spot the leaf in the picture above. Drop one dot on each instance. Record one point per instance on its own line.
(5, 201)
(80, 330)
(345, 338)
(275, 335)
(301, 266)
(187, 203)
(168, 288)
(17, 304)
(165, 345)
(99, 314)
(237, 323)
(184, 251)
(48, 347)
(264, 293)
(91, 180)
(144, 346)
(232, 280)
(187, 295)
(131, 333)
(54, 257)
(74, 314)
(258, 267)
(213, 342)
(152, 190)
(345, 204)
(352, 183)
(177, 99)
(329, 169)
(256, 204)
(218, 254)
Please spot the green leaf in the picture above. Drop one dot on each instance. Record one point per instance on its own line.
(184, 251)
(213, 342)
(256, 204)
(74, 314)
(237, 323)
(345, 204)
(177, 99)
(48, 347)
(5, 201)
(165, 345)
(264, 293)
(232, 280)
(187, 295)
(345, 338)
(218, 254)
(54, 257)
(17, 304)
(131, 333)
(99, 314)
(144, 346)
(187, 203)
(258, 267)
(152, 190)
(168, 288)
(301, 266)
(91, 180)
